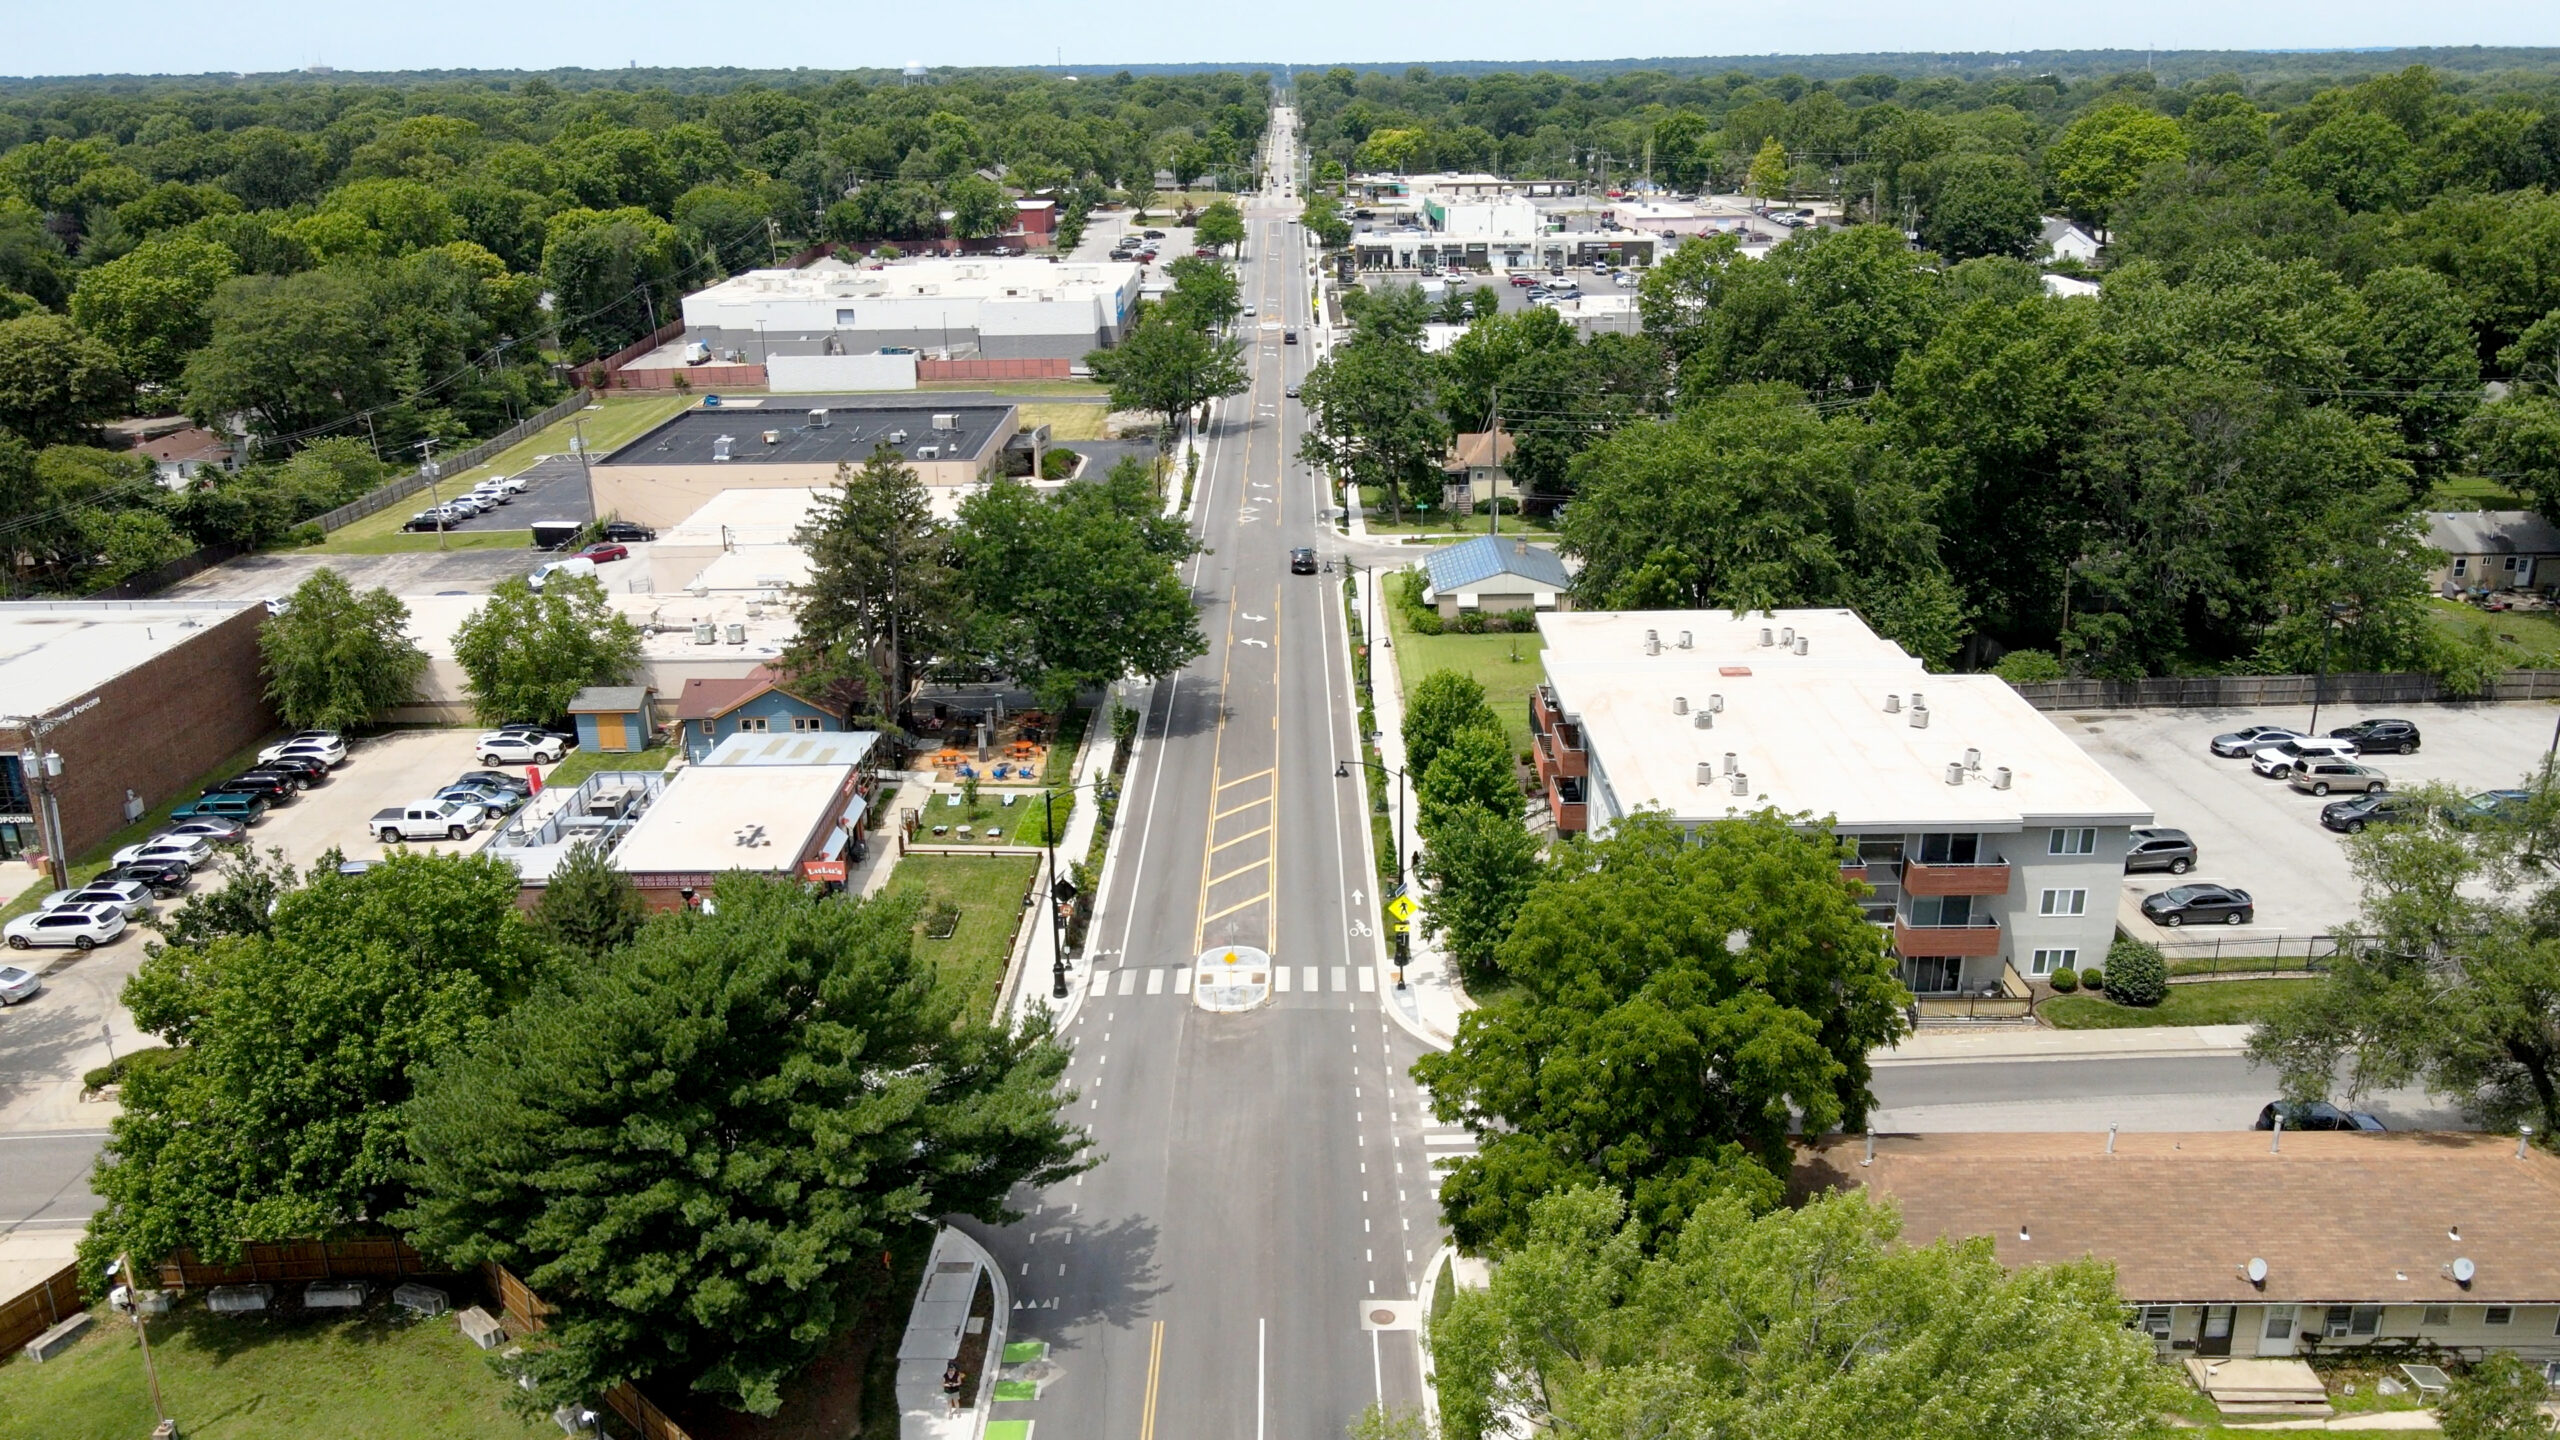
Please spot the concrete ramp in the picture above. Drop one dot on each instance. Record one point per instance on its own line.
(2261, 1387)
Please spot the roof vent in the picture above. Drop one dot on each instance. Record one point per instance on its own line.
(1972, 759)
(2464, 1272)
(1919, 715)
(1704, 720)
(1741, 783)
(1679, 704)
(1955, 773)
(1684, 640)
(1716, 703)
(1804, 645)
(2000, 778)
(1767, 637)
(1893, 704)
(1706, 772)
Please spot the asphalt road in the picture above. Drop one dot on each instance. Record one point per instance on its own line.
(1266, 1175)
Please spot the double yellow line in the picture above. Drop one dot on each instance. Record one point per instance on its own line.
(1155, 1372)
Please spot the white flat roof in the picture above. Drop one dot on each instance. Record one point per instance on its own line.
(984, 277)
(1810, 732)
(55, 652)
(745, 517)
(666, 623)
(694, 825)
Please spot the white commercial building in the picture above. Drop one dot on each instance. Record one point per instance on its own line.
(1994, 844)
(991, 307)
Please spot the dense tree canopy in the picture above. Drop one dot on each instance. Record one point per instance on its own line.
(336, 659)
(527, 653)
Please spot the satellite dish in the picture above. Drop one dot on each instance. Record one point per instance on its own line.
(2257, 1270)
(2463, 1270)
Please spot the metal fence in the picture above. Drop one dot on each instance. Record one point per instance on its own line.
(2236, 956)
(159, 578)
(2243, 691)
(453, 464)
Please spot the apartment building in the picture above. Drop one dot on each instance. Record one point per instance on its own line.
(1993, 844)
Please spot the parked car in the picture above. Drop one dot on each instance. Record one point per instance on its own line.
(190, 850)
(82, 927)
(125, 896)
(2488, 805)
(431, 520)
(2276, 761)
(217, 829)
(2375, 737)
(426, 820)
(2159, 848)
(17, 984)
(1302, 561)
(247, 809)
(1155, 234)
(2204, 904)
(626, 532)
(505, 748)
(539, 732)
(327, 745)
(2314, 1115)
(495, 780)
(309, 769)
(274, 786)
(511, 484)
(497, 800)
(2351, 816)
(165, 877)
(490, 495)
(606, 551)
(2319, 777)
(1521, 277)
(2249, 739)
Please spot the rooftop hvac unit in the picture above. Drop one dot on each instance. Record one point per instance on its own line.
(1972, 758)
(1652, 646)
(928, 452)
(818, 418)
(705, 633)
(1917, 703)
(1893, 704)
(755, 609)
(1653, 637)
(2000, 778)
(946, 420)
(1741, 783)
(1731, 762)
(1804, 645)
(737, 633)
(1919, 716)
(897, 437)
(1716, 703)
(720, 447)
(1767, 637)
(1679, 704)
(1684, 635)
(1704, 720)
(1955, 773)
(1787, 636)
(773, 437)
(1706, 772)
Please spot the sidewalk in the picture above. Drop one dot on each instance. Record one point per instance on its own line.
(936, 1327)
(1432, 1000)
(1031, 988)
(1960, 1047)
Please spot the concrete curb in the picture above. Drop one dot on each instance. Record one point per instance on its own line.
(2007, 1047)
(1382, 959)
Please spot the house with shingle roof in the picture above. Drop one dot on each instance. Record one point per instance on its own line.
(756, 703)
(2252, 1242)
(2491, 550)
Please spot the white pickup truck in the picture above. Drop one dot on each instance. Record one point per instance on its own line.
(427, 820)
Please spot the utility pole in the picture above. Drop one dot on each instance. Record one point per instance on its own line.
(42, 766)
(1493, 486)
(427, 466)
(578, 429)
(151, 1372)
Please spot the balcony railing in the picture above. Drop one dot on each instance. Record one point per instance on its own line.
(1987, 877)
(1567, 801)
(1980, 936)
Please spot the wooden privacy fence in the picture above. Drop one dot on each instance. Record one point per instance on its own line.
(293, 1261)
(39, 1309)
(693, 377)
(453, 464)
(524, 1311)
(2242, 691)
(1022, 369)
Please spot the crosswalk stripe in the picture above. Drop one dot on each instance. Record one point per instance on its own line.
(1280, 979)
(1341, 977)
(1155, 982)
(1312, 985)
(1128, 981)
(1368, 978)
(1182, 981)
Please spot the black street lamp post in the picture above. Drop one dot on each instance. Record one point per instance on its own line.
(1061, 889)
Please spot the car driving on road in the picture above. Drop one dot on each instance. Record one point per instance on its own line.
(1302, 561)
(2314, 1115)
(2202, 904)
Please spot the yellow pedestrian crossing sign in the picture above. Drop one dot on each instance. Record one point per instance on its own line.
(1400, 908)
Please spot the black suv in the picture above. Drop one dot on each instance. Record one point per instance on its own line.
(1302, 561)
(2350, 816)
(275, 789)
(310, 770)
(164, 877)
(625, 532)
(2380, 737)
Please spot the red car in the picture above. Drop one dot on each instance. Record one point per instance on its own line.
(1522, 277)
(604, 551)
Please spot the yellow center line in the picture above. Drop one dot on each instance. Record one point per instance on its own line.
(1155, 1373)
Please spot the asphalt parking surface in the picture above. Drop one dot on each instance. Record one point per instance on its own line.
(555, 488)
(2261, 835)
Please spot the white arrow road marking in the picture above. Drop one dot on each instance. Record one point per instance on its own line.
(1265, 644)
(1356, 897)
(1249, 615)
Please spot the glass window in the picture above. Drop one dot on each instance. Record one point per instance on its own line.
(2279, 1323)
(2077, 841)
(2461, 564)
(1949, 849)
(807, 722)
(2334, 1324)
(1933, 975)
(753, 724)
(2048, 961)
(2436, 1315)
(13, 786)
(2065, 902)
(2366, 1321)
(2497, 1315)
(1942, 910)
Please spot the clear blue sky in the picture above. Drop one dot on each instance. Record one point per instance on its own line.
(194, 36)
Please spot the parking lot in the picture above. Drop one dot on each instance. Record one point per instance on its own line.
(2261, 835)
(555, 488)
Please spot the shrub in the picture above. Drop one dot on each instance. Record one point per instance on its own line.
(2064, 981)
(2093, 978)
(306, 533)
(2136, 975)
(1058, 464)
(2028, 667)
(126, 1065)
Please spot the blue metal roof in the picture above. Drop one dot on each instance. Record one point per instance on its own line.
(1472, 562)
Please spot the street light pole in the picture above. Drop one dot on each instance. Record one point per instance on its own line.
(2320, 682)
(1057, 920)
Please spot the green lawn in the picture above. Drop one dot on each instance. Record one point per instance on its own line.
(2216, 1002)
(989, 895)
(2472, 492)
(579, 764)
(260, 1379)
(1438, 521)
(1067, 423)
(1022, 822)
(621, 419)
(2526, 638)
(1506, 665)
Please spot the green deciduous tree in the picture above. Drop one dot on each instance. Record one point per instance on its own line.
(698, 1148)
(1473, 772)
(2517, 443)
(1374, 415)
(2500, 1397)
(336, 659)
(527, 653)
(1076, 589)
(287, 353)
(1482, 866)
(1684, 1004)
(979, 208)
(1802, 1324)
(57, 383)
(2099, 159)
(1220, 226)
(1983, 205)
(883, 595)
(1444, 703)
(281, 1119)
(1170, 367)
(154, 305)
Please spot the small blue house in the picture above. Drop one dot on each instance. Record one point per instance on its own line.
(612, 719)
(752, 704)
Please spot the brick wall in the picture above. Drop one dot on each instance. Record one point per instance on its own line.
(158, 727)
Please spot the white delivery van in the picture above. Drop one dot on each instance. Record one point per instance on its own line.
(574, 565)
